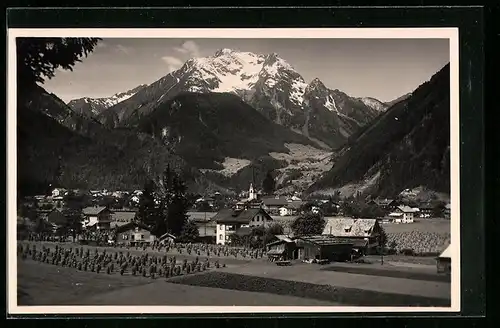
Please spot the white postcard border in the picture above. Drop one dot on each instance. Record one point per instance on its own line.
(248, 33)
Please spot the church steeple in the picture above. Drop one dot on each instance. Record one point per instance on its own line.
(251, 193)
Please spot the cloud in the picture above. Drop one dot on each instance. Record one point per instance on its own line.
(173, 63)
(101, 44)
(190, 48)
(123, 49)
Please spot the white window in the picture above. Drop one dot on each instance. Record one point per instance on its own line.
(227, 237)
(221, 237)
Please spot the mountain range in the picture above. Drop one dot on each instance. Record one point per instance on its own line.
(406, 147)
(92, 107)
(267, 83)
(227, 119)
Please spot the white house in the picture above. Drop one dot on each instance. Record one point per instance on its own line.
(404, 214)
(229, 221)
(58, 192)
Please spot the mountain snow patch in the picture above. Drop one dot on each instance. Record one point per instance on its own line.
(374, 103)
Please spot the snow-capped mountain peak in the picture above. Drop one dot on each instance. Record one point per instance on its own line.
(92, 107)
(267, 82)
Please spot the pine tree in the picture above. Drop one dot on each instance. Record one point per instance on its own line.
(74, 214)
(269, 184)
(177, 205)
(149, 212)
(189, 232)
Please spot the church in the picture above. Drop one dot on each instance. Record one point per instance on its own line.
(252, 201)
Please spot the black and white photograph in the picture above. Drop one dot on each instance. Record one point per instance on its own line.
(213, 170)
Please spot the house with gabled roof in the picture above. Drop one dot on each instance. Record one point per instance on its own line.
(98, 217)
(363, 233)
(134, 234)
(404, 214)
(323, 247)
(228, 221)
(119, 218)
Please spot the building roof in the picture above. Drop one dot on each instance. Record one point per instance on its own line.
(407, 209)
(324, 240)
(200, 216)
(131, 225)
(349, 227)
(446, 253)
(383, 202)
(294, 204)
(396, 214)
(275, 201)
(284, 238)
(93, 210)
(116, 224)
(238, 216)
(166, 235)
(123, 216)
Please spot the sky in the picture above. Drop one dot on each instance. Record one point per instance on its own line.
(384, 69)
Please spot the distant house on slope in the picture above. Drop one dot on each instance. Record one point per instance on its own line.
(363, 233)
(229, 221)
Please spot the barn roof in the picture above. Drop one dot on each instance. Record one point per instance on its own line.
(324, 240)
(238, 216)
(349, 227)
(93, 210)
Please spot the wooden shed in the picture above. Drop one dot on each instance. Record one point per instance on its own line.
(283, 248)
(324, 248)
(443, 261)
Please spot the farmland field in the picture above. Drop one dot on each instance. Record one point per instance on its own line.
(240, 282)
(423, 225)
(43, 284)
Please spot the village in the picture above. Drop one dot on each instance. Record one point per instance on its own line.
(218, 218)
(385, 238)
